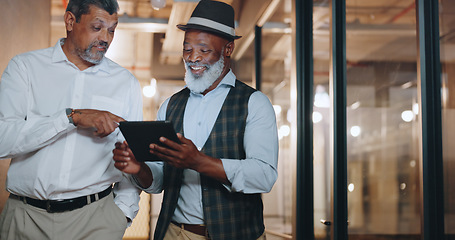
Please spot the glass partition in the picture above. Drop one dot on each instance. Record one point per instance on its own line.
(382, 124)
(447, 44)
(322, 163)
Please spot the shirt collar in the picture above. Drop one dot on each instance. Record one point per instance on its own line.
(59, 56)
(229, 79)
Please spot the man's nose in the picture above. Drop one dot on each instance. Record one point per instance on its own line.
(104, 36)
(194, 57)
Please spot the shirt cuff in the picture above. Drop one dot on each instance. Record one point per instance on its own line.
(157, 183)
(126, 213)
(62, 123)
(233, 175)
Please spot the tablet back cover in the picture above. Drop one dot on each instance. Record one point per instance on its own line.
(140, 134)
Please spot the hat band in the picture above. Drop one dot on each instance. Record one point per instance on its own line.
(212, 24)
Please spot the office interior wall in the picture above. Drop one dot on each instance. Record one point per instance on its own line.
(25, 26)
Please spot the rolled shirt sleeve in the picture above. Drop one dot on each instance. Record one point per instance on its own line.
(258, 172)
(157, 172)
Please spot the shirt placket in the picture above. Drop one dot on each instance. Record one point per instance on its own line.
(201, 132)
(69, 153)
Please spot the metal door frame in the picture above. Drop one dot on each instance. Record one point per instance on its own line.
(429, 75)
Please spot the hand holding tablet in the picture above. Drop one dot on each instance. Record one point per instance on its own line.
(140, 134)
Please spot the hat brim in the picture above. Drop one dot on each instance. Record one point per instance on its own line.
(185, 27)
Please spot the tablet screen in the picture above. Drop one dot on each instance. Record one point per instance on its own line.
(140, 134)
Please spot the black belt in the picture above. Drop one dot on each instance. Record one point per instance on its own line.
(53, 206)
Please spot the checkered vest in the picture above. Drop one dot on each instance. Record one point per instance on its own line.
(227, 215)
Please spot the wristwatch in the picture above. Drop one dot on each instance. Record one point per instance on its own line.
(69, 113)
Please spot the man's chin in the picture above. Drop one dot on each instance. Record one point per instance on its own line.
(97, 57)
(94, 60)
(196, 76)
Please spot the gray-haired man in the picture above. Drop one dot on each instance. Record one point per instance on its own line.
(59, 109)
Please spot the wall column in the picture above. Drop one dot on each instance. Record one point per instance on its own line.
(25, 26)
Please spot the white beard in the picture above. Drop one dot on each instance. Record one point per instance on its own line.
(200, 83)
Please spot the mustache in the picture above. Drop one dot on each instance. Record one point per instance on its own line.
(99, 43)
(192, 64)
(102, 43)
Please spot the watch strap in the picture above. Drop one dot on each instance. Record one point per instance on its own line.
(69, 113)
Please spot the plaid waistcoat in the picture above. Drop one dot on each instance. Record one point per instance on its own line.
(227, 215)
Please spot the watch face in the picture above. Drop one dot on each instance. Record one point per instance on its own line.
(69, 114)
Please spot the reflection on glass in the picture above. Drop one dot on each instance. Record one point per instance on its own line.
(447, 44)
(382, 120)
(275, 83)
(383, 138)
(321, 120)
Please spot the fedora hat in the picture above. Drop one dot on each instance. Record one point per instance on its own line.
(214, 17)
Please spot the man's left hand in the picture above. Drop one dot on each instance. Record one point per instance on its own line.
(183, 155)
(186, 155)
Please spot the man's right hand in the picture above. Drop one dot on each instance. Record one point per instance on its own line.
(103, 122)
(127, 163)
(124, 159)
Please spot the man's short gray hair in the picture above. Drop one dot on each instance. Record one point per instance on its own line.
(81, 7)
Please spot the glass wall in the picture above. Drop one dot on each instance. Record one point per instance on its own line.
(384, 134)
(276, 61)
(447, 46)
(382, 124)
(322, 164)
(382, 120)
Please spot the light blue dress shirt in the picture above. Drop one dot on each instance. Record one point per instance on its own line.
(256, 174)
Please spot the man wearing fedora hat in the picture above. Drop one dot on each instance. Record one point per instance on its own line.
(228, 154)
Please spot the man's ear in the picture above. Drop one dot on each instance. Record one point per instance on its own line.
(70, 20)
(229, 49)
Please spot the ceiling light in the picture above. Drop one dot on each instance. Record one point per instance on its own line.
(415, 108)
(355, 131)
(277, 109)
(150, 90)
(355, 105)
(157, 4)
(317, 117)
(407, 115)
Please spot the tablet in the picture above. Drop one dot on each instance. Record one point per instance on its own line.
(140, 134)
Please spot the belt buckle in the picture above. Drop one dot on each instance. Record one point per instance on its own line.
(48, 207)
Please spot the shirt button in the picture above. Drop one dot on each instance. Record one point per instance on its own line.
(199, 148)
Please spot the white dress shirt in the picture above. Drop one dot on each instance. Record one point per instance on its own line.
(50, 157)
(256, 174)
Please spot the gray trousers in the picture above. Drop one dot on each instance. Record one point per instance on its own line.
(100, 220)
